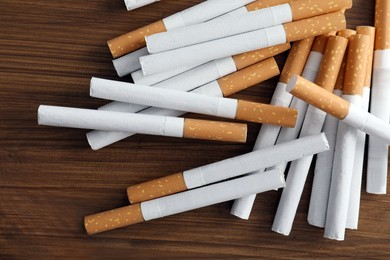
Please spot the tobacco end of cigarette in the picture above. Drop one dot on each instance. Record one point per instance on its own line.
(382, 25)
(302, 9)
(315, 26)
(215, 131)
(331, 62)
(113, 219)
(133, 40)
(346, 33)
(156, 188)
(370, 32)
(318, 97)
(248, 77)
(256, 5)
(267, 114)
(249, 58)
(296, 59)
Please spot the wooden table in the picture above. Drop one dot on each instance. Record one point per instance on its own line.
(50, 178)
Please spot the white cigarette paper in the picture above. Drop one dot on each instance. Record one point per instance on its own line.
(219, 28)
(134, 4)
(377, 166)
(129, 63)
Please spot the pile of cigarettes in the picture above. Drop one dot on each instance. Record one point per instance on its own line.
(194, 60)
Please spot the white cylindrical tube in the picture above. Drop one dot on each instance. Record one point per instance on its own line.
(210, 195)
(204, 52)
(377, 166)
(134, 4)
(340, 188)
(219, 28)
(164, 98)
(297, 175)
(129, 63)
(356, 184)
(323, 173)
(110, 121)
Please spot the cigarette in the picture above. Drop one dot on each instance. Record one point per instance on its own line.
(142, 124)
(241, 61)
(310, 72)
(129, 63)
(227, 169)
(134, 4)
(255, 20)
(202, 12)
(357, 175)
(339, 108)
(195, 103)
(377, 166)
(343, 163)
(182, 202)
(221, 88)
(312, 124)
(241, 43)
(268, 134)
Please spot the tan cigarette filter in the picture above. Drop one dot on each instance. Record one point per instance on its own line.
(341, 76)
(319, 97)
(260, 4)
(215, 131)
(382, 25)
(134, 40)
(320, 43)
(296, 59)
(249, 58)
(266, 114)
(112, 219)
(355, 74)
(156, 188)
(331, 62)
(248, 77)
(315, 26)
(370, 32)
(309, 8)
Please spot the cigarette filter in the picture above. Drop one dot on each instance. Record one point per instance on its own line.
(312, 124)
(377, 166)
(195, 103)
(344, 157)
(227, 169)
(142, 124)
(224, 86)
(268, 134)
(310, 73)
(241, 43)
(339, 108)
(255, 20)
(134, 4)
(354, 197)
(183, 202)
(241, 61)
(202, 12)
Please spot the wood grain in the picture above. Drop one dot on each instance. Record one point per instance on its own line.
(50, 179)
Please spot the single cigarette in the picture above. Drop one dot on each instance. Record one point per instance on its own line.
(229, 26)
(312, 124)
(227, 169)
(268, 134)
(222, 87)
(241, 61)
(202, 12)
(357, 175)
(339, 108)
(134, 4)
(241, 43)
(142, 124)
(183, 202)
(377, 166)
(343, 163)
(310, 73)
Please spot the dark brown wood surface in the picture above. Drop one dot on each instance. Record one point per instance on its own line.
(50, 178)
